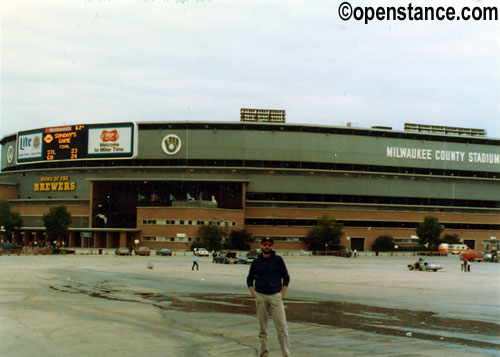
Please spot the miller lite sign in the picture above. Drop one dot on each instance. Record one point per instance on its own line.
(29, 145)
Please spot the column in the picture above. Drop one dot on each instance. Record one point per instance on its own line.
(38, 237)
(109, 240)
(96, 239)
(72, 239)
(123, 239)
(243, 194)
(16, 238)
(26, 237)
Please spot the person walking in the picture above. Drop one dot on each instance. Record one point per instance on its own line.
(466, 265)
(269, 274)
(195, 261)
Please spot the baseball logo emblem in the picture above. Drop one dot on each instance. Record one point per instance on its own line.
(10, 154)
(171, 144)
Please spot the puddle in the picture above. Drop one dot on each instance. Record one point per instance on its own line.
(423, 325)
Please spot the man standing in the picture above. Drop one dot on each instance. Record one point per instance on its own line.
(195, 261)
(271, 279)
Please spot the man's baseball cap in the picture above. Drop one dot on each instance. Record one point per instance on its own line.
(267, 239)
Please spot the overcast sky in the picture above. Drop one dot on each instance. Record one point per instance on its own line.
(97, 61)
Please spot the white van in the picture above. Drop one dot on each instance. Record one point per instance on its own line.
(454, 249)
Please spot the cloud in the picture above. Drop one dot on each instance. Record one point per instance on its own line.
(109, 61)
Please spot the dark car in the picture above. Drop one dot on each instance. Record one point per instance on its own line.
(62, 251)
(7, 247)
(226, 258)
(164, 252)
(347, 253)
(123, 251)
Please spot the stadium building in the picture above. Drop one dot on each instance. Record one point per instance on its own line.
(157, 183)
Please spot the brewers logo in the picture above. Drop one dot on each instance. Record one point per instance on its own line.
(171, 144)
(10, 154)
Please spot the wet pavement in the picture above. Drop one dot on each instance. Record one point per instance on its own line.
(107, 308)
(424, 325)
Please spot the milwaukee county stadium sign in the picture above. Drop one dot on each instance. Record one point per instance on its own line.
(397, 152)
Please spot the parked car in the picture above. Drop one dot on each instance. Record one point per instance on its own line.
(491, 256)
(347, 253)
(142, 251)
(243, 260)
(62, 251)
(487, 257)
(201, 252)
(164, 252)
(9, 248)
(253, 253)
(123, 251)
(472, 256)
(431, 266)
(423, 265)
(226, 258)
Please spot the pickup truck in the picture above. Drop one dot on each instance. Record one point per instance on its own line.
(472, 256)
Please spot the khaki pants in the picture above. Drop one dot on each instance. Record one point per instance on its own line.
(272, 304)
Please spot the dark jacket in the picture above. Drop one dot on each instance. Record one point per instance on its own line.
(269, 274)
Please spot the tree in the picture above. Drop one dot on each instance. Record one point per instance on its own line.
(383, 244)
(241, 239)
(213, 236)
(56, 223)
(10, 221)
(327, 232)
(450, 239)
(429, 231)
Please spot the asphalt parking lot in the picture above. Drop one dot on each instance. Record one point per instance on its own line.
(83, 305)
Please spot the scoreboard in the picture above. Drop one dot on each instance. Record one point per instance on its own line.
(75, 142)
(64, 143)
